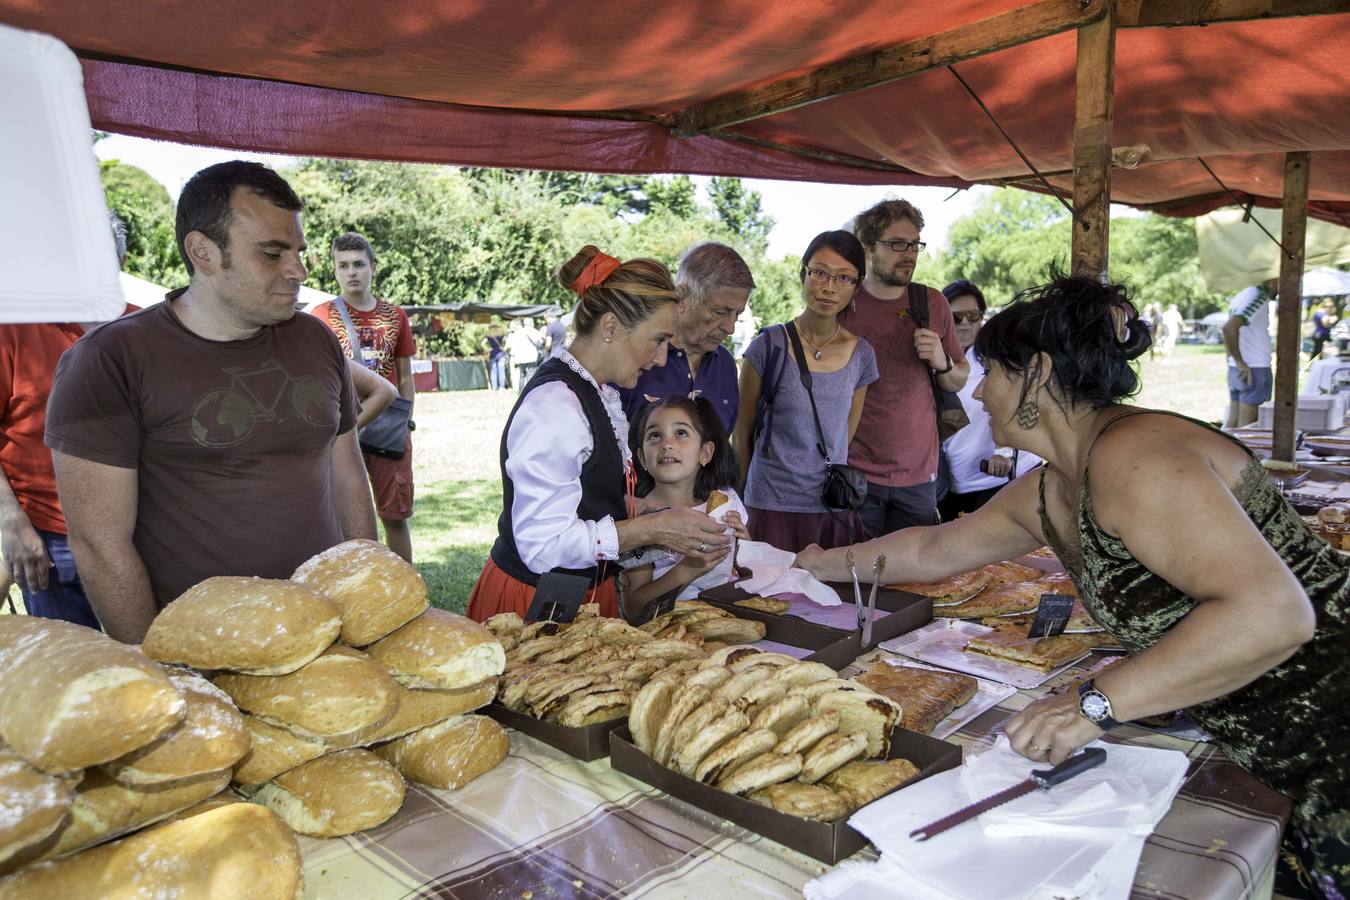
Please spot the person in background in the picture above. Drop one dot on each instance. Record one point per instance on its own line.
(977, 468)
(522, 343)
(896, 444)
(747, 326)
(213, 433)
(567, 471)
(1171, 329)
(1181, 547)
(777, 441)
(384, 344)
(1323, 320)
(714, 284)
(34, 538)
(497, 358)
(555, 332)
(1246, 334)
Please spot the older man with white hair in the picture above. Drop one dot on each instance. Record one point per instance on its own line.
(715, 285)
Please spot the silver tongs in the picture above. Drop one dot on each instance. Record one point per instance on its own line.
(877, 566)
(857, 589)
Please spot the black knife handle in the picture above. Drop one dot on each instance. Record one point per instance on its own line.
(1074, 765)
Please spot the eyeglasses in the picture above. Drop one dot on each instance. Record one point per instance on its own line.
(901, 246)
(970, 317)
(820, 276)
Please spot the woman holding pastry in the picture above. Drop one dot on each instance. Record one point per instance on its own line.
(1180, 546)
(567, 472)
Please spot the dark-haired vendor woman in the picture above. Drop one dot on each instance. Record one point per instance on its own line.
(1181, 547)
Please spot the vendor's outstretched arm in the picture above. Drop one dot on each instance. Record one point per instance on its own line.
(100, 506)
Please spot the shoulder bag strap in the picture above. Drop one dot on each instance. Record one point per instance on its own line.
(806, 383)
(352, 338)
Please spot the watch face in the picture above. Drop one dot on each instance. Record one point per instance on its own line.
(1094, 705)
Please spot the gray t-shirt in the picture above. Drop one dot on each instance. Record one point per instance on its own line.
(787, 472)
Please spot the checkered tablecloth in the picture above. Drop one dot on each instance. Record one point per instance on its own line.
(543, 825)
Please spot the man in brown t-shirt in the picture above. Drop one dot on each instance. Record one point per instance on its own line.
(211, 434)
(896, 444)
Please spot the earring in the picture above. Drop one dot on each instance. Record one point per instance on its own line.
(853, 304)
(1028, 414)
(607, 340)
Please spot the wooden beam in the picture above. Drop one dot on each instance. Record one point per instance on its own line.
(1174, 13)
(1288, 337)
(1009, 29)
(1095, 81)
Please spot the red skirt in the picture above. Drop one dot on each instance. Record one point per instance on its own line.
(497, 592)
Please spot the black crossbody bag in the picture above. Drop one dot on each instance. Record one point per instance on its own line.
(845, 487)
(387, 436)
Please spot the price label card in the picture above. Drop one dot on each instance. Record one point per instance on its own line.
(557, 598)
(1052, 615)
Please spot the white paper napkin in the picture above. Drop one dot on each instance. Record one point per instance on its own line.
(773, 574)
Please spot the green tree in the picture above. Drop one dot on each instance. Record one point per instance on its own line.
(144, 205)
(741, 212)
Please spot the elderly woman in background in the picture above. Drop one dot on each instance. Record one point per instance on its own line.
(1181, 547)
(714, 285)
(567, 471)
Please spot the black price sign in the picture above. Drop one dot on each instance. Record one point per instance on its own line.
(1052, 615)
(557, 598)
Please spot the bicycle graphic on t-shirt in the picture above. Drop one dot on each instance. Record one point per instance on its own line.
(225, 417)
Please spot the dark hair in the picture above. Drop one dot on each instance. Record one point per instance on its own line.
(720, 471)
(841, 242)
(961, 288)
(633, 291)
(871, 223)
(1072, 320)
(353, 241)
(204, 204)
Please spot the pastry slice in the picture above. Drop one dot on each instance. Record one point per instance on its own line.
(1011, 573)
(813, 802)
(765, 604)
(832, 752)
(716, 500)
(863, 781)
(1079, 620)
(1010, 644)
(949, 590)
(997, 600)
(926, 697)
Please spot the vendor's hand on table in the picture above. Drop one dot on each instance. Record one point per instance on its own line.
(737, 524)
(998, 466)
(1051, 730)
(690, 533)
(928, 344)
(24, 553)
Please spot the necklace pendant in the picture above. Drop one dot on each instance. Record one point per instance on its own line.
(818, 354)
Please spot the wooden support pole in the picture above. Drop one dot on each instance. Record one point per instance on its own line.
(1092, 145)
(1289, 337)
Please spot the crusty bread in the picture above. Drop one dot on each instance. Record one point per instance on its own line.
(376, 590)
(260, 626)
(813, 802)
(33, 804)
(505, 623)
(104, 809)
(342, 693)
(451, 754)
(211, 738)
(441, 650)
(422, 709)
(237, 852)
(275, 750)
(73, 697)
(341, 793)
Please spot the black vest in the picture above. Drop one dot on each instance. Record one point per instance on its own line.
(602, 476)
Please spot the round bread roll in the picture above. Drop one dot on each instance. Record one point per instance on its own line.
(211, 738)
(236, 852)
(258, 626)
(340, 694)
(376, 589)
(451, 754)
(33, 804)
(440, 649)
(73, 697)
(275, 750)
(341, 793)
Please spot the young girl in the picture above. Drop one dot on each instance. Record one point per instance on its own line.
(683, 457)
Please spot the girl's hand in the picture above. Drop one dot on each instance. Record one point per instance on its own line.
(1051, 730)
(734, 521)
(692, 567)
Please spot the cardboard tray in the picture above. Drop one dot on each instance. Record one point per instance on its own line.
(828, 842)
(586, 744)
(834, 647)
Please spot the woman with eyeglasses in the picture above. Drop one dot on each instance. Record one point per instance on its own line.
(975, 468)
(776, 438)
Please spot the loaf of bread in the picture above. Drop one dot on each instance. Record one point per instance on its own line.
(260, 626)
(422, 709)
(71, 697)
(275, 750)
(33, 804)
(211, 738)
(237, 852)
(105, 809)
(375, 588)
(451, 754)
(341, 793)
(340, 694)
(441, 650)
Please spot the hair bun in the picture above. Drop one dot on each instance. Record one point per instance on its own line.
(571, 270)
(1138, 339)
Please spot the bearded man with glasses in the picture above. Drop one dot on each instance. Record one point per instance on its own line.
(896, 444)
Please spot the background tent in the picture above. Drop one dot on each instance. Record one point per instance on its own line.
(1235, 252)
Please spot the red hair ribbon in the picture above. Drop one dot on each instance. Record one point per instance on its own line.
(601, 266)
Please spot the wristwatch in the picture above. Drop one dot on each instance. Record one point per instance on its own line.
(1095, 706)
(951, 362)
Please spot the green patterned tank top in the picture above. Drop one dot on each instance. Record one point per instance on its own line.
(1291, 726)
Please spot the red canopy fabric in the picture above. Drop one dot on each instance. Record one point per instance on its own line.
(508, 83)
